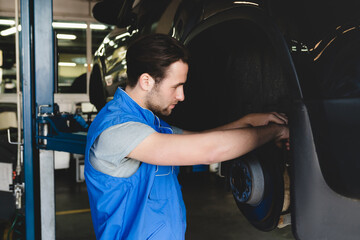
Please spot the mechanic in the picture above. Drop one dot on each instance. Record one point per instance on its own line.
(131, 154)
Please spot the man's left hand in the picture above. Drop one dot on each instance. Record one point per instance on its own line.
(261, 119)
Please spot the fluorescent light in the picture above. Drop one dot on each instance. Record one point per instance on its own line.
(77, 25)
(69, 25)
(9, 31)
(66, 36)
(62, 25)
(10, 85)
(7, 22)
(98, 26)
(67, 64)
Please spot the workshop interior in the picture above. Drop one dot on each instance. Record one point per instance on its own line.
(61, 61)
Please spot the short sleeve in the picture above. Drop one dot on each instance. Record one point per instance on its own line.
(109, 152)
(177, 130)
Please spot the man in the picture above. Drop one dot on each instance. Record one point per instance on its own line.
(131, 153)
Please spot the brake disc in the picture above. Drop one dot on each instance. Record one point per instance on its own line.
(247, 181)
(257, 184)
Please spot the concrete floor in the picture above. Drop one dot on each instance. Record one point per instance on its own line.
(211, 211)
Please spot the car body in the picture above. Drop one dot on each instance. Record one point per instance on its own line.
(300, 58)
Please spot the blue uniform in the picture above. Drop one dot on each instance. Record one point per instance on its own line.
(147, 205)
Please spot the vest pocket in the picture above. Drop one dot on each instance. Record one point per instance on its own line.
(163, 184)
(155, 234)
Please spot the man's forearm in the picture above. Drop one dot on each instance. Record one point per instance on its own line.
(254, 120)
(237, 142)
(240, 123)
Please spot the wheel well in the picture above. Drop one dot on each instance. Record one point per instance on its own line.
(234, 70)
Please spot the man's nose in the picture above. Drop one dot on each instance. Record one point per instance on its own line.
(180, 96)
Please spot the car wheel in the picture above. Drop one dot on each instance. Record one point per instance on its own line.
(256, 181)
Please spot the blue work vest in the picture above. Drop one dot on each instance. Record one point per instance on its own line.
(146, 205)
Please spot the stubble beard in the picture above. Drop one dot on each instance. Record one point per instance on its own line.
(158, 110)
(154, 107)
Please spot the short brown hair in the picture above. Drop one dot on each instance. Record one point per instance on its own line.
(153, 54)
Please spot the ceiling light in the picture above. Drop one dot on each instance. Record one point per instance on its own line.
(67, 64)
(98, 26)
(7, 22)
(65, 36)
(62, 25)
(78, 25)
(9, 31)
(69, 25)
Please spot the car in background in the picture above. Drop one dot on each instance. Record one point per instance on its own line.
(301, 58)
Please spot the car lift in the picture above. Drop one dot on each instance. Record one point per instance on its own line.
(43, 130)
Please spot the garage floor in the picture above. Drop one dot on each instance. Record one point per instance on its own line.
(211, 211)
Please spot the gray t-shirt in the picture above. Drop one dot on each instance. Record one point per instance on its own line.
(109, 152)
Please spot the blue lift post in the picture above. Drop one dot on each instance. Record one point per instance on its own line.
(28, 123)
(37, 68)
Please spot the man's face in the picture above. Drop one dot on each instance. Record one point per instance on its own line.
(164, 96)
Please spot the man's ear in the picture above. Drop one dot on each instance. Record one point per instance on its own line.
(146, 82)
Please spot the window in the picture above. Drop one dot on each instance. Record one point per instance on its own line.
(71, 56)
(74, 54)
(71, 44)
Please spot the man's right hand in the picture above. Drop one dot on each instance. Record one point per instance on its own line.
(283, 132)
(283, 137)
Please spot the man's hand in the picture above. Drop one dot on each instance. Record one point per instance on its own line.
(282, 140)
(283, 133)
(283, 143)
(262, 119)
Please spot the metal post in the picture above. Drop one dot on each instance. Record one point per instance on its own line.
(47, 194)
(44, 54)
(37, 67)
(44, 100)
(28, 116)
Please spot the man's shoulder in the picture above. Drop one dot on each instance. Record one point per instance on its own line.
(130, 126)
(109, 152)
(123, 136)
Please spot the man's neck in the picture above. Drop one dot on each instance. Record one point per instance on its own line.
(136, 95)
